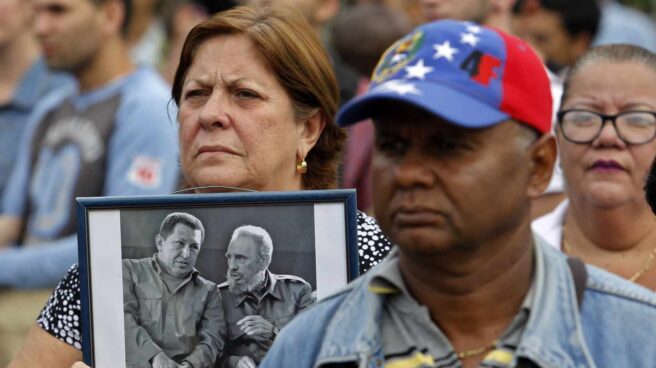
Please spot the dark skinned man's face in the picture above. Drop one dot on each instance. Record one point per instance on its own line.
(439, 187)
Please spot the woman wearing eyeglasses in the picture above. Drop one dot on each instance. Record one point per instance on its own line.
(605, 134)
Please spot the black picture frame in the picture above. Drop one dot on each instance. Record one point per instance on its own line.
(322, 225)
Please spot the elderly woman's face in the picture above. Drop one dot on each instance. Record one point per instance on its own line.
(237, 125)
(608, 172)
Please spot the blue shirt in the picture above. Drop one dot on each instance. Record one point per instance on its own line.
(37, 82)
(622, 24)
(116, 140)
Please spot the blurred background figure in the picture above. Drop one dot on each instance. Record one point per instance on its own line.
(471, 10)
(408, 8)
(605, 133)
(561, 30)
(179, 17)
(320, 14)
(360, 35)
(146, 35)
(624, 24)
(25, 82)
(24, 78)
(650, 188)
(494, 13)
(112, 137)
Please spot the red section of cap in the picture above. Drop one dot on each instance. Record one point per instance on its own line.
(525, 84)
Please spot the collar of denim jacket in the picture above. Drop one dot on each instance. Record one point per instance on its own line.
(553, 336)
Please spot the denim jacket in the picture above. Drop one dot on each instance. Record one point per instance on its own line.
(615, 328)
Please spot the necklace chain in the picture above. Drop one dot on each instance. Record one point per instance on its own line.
(645, 266)
(475, 352)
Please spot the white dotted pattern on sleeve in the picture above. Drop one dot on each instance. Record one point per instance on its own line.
(61, 315)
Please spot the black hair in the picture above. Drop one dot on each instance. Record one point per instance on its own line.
(576, 16)
(168, 224)
(127, 4)
(650, 187)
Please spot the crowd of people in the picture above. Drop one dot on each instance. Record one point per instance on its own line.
(503, 152)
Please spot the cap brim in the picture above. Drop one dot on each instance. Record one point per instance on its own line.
(445, 102)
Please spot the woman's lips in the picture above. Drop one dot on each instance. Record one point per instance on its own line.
(215, 149)
(606, 165)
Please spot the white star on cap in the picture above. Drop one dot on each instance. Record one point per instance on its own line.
(418, 70)
(473, 28)
(398, 57)
(399, 87)
(469, 38)
(444, 50)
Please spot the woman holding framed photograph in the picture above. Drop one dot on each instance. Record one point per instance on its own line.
(257, 98)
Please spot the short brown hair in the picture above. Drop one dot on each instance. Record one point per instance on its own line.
(299, 63)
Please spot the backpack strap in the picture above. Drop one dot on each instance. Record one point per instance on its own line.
(580, 276)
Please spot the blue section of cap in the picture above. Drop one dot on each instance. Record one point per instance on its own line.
(452, 105)
(455, 67)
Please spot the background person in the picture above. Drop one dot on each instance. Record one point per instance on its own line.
(606, 129)
(25, 84)
(113, 137)
(24, 79)
(173, 316)
(257, 97)
(560, 30)
(650, 188)
(361, 34)
(257, 303)
(621, 23)
(468, 285)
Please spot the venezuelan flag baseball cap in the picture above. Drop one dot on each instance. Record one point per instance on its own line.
(470, 75)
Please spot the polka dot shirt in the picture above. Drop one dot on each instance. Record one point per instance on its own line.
(61, 315)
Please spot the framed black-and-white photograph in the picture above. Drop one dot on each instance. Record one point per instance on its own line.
(206, 280)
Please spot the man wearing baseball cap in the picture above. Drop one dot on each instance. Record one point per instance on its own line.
(462, 116)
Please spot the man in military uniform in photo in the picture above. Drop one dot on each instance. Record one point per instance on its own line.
(173, 316)
(257, 303)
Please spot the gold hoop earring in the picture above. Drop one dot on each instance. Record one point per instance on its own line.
(301, 167)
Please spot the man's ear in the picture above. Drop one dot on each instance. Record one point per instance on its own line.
(309, 131)
(543, 153)
(113, 15)
(158, 242)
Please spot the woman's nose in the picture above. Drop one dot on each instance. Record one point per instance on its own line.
(608, 136)
(213, 112)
